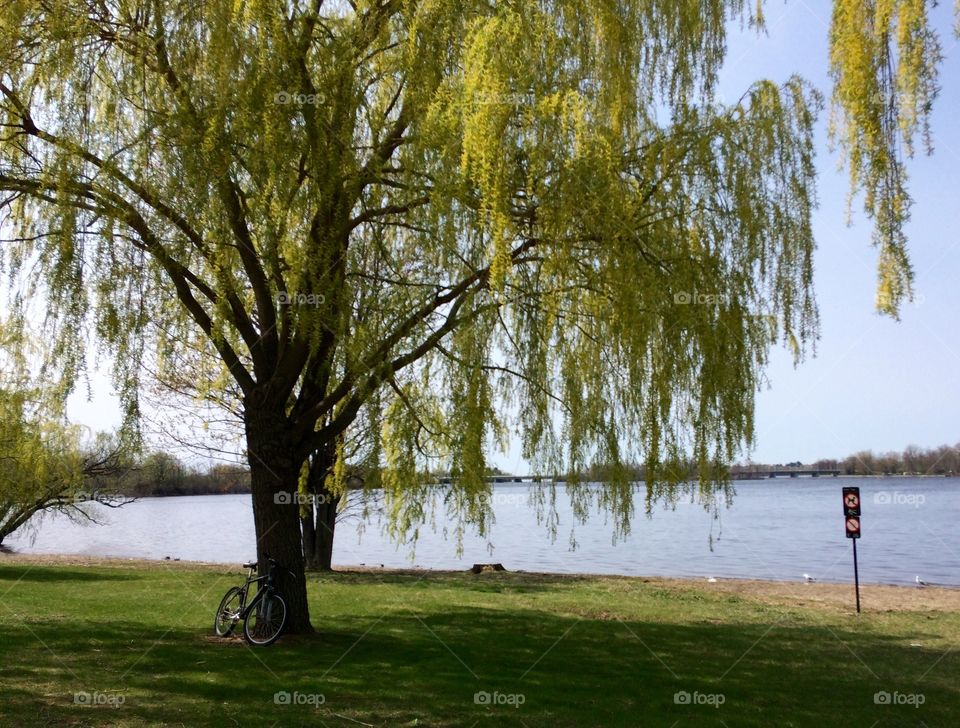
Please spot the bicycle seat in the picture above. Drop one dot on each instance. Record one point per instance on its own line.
(250, 565)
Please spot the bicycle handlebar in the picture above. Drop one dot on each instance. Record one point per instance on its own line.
(273, 563)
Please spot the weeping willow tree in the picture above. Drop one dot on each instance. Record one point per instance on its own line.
(46, 463)
(36, 470)
(450, 222)
(884, 57)
(46, 466)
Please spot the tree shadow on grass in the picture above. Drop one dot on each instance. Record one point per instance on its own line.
(472, 667)
(52, 573)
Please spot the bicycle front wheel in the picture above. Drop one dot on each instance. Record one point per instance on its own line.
(265, 622)
(228, 614)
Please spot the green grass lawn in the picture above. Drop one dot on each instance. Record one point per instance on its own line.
(415, 649)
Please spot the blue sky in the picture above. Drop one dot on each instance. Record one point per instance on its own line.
(875, 383)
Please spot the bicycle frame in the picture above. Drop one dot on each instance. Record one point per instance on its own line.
(265, 589)
(262, 591)
(247, 604)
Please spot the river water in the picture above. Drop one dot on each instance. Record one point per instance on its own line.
(774, 529)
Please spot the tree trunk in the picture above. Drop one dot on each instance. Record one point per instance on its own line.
(20, 518)
(318, 527)
(276, 517)
(326, 511)
(309, 533)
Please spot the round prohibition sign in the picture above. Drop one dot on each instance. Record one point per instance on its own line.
(853, 525)
(851, 500)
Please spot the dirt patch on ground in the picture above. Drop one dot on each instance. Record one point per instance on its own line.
(7, 557)
(840, 597)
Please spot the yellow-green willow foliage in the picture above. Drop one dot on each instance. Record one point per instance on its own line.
(452, 222)
(884, 56)
(40, 461)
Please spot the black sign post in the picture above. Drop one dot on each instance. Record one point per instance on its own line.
(851, 515)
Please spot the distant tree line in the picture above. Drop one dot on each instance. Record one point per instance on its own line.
(914, 460)
(160, 473)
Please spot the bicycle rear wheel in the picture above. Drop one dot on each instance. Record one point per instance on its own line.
(228, 613)
(265, 622)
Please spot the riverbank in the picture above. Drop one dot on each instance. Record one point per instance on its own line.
(125, 642)
(827, 595)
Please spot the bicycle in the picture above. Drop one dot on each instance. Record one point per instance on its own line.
(264, 617)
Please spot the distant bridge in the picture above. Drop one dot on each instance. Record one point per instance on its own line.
(761, 473)
(509, 479)
(753, 474)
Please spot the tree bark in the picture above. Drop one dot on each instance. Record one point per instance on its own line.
(326, 511)
(319, 525)
(309, 534)
(273, 481)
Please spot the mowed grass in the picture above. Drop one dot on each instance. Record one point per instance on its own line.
(416, 648)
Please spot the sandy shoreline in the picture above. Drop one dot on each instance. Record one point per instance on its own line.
(875, 597)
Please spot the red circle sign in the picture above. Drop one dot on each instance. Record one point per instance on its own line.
(851, 500)
(853, 525)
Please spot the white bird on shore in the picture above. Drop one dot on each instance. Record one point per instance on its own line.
(712, 580)
(920, 582)
(807, 578)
